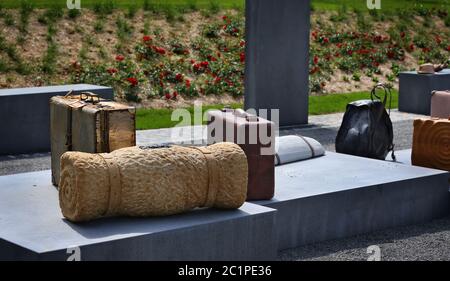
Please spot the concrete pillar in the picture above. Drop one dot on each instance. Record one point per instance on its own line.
(277, 58)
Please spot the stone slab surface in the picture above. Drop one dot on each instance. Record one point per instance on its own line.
(415, 90)
(28, 113)
(32, 228)
(338, 196)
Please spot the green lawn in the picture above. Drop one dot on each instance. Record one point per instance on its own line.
(161, 118)
(386, 5)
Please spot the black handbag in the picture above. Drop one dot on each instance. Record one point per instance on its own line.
(366, 128)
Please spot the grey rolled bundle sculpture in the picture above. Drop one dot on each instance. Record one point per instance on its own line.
(151, 182)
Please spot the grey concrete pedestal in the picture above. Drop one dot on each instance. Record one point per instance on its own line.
(25, 115)
(32, 228)
(277, 58)
(339, 195)
(415, 90)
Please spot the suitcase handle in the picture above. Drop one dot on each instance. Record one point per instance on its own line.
(249, 117)
(85, 96)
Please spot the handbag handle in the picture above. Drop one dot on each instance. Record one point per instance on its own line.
(387, 93)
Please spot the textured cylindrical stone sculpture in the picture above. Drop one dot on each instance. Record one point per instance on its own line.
(431, 143)
(152, 182)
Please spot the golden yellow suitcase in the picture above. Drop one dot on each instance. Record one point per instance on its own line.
(87, 123)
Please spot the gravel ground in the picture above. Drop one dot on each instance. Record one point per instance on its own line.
(429, 241)
(425, 242)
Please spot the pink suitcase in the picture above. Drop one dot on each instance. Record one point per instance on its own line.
(440, 104)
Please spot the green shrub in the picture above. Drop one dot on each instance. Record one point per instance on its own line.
(8, 19)
(26, 8)
(447, 21)
(3, 67)
(192, 5)
(211, 31)
(421, 10)
(73, 13)
(104, 7)
(214, 7)
(99, 26)
(49, 60)
(151, 6)
(132, 10)
(54, 13)
(170, 12)
(124, 29)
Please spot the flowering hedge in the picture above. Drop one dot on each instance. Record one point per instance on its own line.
(354, 52)
(211, 64)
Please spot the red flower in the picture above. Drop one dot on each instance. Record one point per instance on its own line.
(224, 17)
(411, 47)
(192, 61)
(426, 50)
(402, 34)
(242, 57)
(196, 67)
(112, 70)
(448, 48)
(314, 70)
(438, 40)
(211, 58)
(188, 83)
(167, 96)
(204, 64)
(179, 77)
(120, 58)
(390, 54)
(378, 39)
(316, 60)
(217, 80)
(133, 81)
(350, 52)
(242, 43)
(146, 38)
(175, 95)
(159, 50)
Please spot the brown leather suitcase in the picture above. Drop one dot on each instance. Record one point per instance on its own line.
(431, 143)
(256, 136)
(87, 123)
(440, 104)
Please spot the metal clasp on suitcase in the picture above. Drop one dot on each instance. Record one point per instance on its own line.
(85, 96)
